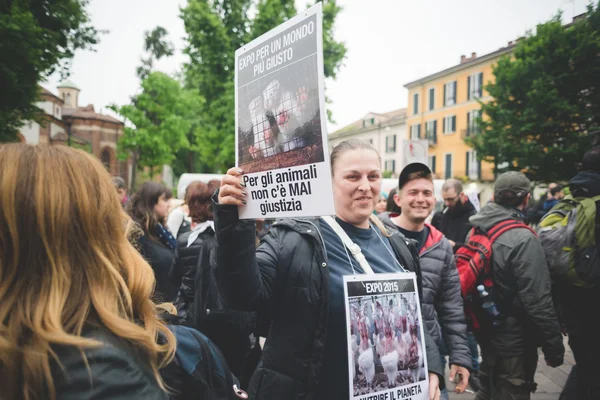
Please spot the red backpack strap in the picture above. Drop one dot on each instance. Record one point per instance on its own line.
(504, 226)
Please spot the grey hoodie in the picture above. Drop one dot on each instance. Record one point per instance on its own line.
(522, 283)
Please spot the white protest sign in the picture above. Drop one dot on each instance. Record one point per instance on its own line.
(281, 135)
(415, 151)
(386, 346)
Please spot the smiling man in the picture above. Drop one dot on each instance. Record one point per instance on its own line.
(442, 304)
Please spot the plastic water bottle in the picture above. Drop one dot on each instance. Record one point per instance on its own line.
(489, 306)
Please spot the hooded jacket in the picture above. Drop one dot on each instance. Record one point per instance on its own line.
(522, 284)
(442, 303)
(287, 279)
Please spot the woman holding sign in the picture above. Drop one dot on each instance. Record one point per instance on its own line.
(295, 280)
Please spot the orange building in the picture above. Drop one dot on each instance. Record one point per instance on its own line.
(443, 108)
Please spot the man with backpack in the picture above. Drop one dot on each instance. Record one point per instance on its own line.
(519, 282)
(570, 234)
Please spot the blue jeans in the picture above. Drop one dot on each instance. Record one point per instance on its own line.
(474, 351)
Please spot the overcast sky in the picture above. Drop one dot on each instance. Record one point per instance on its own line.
(390, 43)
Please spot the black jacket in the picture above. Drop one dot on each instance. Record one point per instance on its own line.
(287, 278)
(199, 304)
(523, 291)
(160, 258)
(455, 224)
(115, 372)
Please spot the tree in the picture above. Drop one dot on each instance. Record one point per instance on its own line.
(546, 100)
(38, 38)
(215, 29)
(156, 44)
(161, 116)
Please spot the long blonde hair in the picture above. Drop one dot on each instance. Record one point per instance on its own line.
(66, 265)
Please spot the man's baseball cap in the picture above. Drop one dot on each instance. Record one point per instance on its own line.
(411, 169)
(512, 181)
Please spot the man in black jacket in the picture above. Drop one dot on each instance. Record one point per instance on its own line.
(575, 302)
(454, 222)
(522, 292)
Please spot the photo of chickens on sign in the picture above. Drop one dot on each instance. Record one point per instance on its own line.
(281, 135)
(385, 338)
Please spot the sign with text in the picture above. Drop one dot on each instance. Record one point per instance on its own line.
(386, 346)
(281, 135)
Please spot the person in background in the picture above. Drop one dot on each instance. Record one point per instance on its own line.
(119, 184)
(76, 321)
(179, 221)
(556, 194)
(576, 302)
(295, 277)
(198, 301)
(391, 206)
(522, 293)
(454, 222)
(148, 208)
(442, 302)
(381, 205)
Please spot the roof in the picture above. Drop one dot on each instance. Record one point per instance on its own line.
(46, 92)
(381, 119)
(67, 84)
(88, 112)
(466, 64)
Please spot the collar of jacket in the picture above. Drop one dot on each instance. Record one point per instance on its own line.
(433, 240)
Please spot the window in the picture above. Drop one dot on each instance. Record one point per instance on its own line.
(472, 127)
(432, 163)
(450, 94)
(448, 169)
(475, 86)
(390, 165)
(415, 131)
(105, 158)
(368, 122)
(390, 144)
(431, 131)
(415, 103)
(370, 141)
(473, 167)
(431, 99)
(449, 124)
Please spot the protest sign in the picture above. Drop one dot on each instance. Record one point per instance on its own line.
(281, 135)
(386, 346)
(415, 151)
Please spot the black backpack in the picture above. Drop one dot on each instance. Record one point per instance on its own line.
(199, 370)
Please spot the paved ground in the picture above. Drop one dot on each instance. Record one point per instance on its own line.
(550, 380)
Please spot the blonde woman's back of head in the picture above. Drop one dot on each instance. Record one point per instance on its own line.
(66, 266)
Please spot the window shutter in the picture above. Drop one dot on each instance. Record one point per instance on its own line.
(433, 164)
(454, 92)
(444, 95)
(469, 124)
(444, 125)
(480, 84)
(479, 170)
(394, 142)
(419, 131)
(468, 156)
(469, 88)
(454, 123)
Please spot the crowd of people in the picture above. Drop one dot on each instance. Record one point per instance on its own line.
(107, 295)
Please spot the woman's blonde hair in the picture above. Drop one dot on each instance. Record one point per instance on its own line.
(66, 265)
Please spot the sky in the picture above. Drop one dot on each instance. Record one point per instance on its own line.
(389, 42)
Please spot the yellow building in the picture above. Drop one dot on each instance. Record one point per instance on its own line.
(442, 108)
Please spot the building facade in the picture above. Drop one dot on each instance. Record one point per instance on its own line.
(443, 108)
(65, 122)
(384, 131)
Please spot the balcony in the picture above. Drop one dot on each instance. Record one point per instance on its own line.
(432, 138)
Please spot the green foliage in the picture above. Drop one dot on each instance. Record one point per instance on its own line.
(38, 38)
(156, 44)
(161, 116)
(215, 29)
(546, 101)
